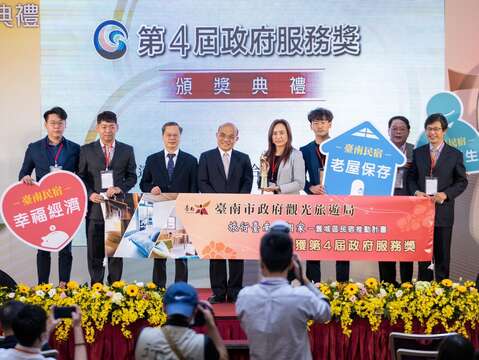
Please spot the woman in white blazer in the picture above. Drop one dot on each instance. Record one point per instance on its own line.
(286, 174)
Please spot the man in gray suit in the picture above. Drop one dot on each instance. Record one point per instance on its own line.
(398, 133)
(108, 169)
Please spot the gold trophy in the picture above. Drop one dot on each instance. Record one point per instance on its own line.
(264, 168)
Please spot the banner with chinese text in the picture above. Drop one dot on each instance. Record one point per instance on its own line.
(229, 226)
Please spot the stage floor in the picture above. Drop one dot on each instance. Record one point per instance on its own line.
(226, 310)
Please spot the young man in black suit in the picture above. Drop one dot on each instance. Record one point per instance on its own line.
(224, 170)
(320, 121)
(170, 171)
(51, 153)
(438, 172)
(108, 168)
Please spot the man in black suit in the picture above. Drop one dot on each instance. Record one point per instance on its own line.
(108, 168)
(224, 170)
(51, 153)
(170, 171)
(438, 172)
(320, 121)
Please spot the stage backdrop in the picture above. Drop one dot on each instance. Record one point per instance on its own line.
(366, 62)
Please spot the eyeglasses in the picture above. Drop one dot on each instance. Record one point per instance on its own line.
(434, 129)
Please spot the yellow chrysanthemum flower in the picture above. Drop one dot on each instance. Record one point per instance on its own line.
(118, 284)
(446, 283)
(97, 287)
(23, 289)
(461, 289)
(72, 284)
(151, 285)
(406, 285)
(371, 283)
(350, 289)
(132, 290)
(46, 287)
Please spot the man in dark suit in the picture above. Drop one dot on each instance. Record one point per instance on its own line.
(224, 170)
(320, 120)
(399, 127)
(438, 172)
(170, 171)
(108, 168)
(51, 153)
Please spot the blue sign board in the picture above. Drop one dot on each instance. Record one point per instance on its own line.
(361, 161)
(460, 134)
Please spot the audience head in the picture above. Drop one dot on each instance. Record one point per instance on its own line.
(276, 249)
(227, 136)
(106, 126)
(29, 325)
(8, 312)
(455, 347)
(181, 300)
(398, 128)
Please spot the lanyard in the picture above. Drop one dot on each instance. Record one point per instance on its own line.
(57, 155)
(273, 168)
(320, 156)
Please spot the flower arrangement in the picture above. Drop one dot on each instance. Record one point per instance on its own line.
(119, 304)
(452, 305)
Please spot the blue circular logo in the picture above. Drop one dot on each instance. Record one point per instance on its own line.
(110, 39)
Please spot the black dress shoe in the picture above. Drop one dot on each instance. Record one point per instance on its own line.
(215, 299)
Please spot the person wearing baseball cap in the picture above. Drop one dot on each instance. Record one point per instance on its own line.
(175, 339)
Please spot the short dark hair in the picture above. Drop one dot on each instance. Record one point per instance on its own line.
(29, 324)
(455, 347)
(436, 117)
(171, 123)
(57, 110)
(320, 114)
(8, 312)
(401, 118)
(106, 116)
(276, 250)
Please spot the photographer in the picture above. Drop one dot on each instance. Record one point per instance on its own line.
(274, 314)
(175, 340)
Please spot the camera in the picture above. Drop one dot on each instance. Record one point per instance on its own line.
(199, 317)
(63, 311)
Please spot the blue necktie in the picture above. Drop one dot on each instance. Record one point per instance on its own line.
(170, 166)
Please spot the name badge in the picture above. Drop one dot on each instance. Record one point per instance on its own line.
(54, 168)
(431, 185)
(106, 179)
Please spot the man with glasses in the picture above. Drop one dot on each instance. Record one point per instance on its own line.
(51, 153)
(438, 172)
(225, 170)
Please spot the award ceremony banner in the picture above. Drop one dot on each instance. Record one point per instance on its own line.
(46, 215)
(230, 226)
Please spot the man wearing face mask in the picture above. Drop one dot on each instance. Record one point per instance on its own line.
(225, 170)
(398, 133)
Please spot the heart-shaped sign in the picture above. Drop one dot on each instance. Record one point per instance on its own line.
(47, 214)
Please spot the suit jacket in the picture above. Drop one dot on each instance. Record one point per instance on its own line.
(291, 174)
(184, 179)
(92, 162)
(451, 175)
(37, 157)
(211, 174)
(312, 165)
(409, 155)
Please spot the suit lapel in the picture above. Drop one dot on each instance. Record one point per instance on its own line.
(162, 165)
(44, 151)
(99, 152)
(180, 162)
(442, 157)
(116, 153)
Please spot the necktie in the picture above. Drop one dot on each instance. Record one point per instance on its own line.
(170, 165)
(226, 163)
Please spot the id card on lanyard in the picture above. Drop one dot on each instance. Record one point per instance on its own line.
(321, 169)
(56, 167)
(107, 174)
